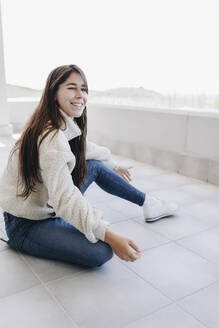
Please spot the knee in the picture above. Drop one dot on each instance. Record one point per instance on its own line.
(104, 254)
(94, 163)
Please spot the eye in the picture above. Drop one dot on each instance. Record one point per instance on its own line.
(83, 89)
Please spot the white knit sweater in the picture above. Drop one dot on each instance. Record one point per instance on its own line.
(57, 193)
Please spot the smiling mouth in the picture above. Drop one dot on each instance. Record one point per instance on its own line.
(78, 105)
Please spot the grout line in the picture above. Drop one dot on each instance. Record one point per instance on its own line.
(191, 314)
(197, 233)
(173, 300)
(148, 282)
(56, 301)
(68, 276)
(153, 247)
(197, 254)
(196, 291)
(129, 268)
(163, 308)
(149, 314)
(20, 258)
(187, 311)
(179, 238)
(151, 229)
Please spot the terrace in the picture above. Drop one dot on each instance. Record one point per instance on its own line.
(175, 283)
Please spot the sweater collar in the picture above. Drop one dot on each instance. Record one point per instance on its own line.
(72, 129)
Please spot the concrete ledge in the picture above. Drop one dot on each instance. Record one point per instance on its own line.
(6, 130)
(191, 166)
(213, 172)
(183, 141)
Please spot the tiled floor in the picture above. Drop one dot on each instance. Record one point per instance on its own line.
(174, 284)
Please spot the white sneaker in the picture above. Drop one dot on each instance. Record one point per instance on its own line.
(155, 209)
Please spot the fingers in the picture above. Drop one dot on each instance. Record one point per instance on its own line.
(126, 178)
(130, 256)
(123, 172)
(126, 175)
(133, 257)
(126, 170)
(134, 246)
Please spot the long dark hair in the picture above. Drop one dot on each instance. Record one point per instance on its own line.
(47, 116)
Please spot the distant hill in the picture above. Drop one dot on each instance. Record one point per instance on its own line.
(15, 91)
(132, 96)
(127, 93)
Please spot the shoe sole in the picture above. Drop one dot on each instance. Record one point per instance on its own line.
(156, 218)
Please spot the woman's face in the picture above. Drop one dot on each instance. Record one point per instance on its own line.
(72, 95)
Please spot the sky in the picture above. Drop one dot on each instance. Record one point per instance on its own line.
(161, 45)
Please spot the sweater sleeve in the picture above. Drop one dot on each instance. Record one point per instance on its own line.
(101, 153)
(66, 199)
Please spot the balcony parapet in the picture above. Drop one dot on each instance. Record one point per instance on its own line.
(183, 141)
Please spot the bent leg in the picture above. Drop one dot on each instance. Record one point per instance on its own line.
(111, 182)
(56, 239)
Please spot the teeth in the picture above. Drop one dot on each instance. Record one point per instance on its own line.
(75, 104)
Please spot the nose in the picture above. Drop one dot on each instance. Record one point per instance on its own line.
(79, 93)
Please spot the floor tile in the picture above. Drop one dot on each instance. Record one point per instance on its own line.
(49, 270)
(178, 195)
(110, 213)
(163, 182)
(176, 226)
(33, 308)
(102, 200)
(143, 237)
(127, 209)
(174, 270)
(207, 211)
(122, 160)
(203, 190)
(2, 225)
(179, 259)
(145, 171)
(204, 305)
(3, 245)
(169, 317)
(110, 296)
(15, 275)
(205, 244)
(173, 180)
(148, 184)
(95, 193)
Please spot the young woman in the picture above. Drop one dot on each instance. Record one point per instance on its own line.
(50, 167)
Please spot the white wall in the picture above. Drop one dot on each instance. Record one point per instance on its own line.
(5, 127)
(182, 132)
(186, 142)
(182, 141)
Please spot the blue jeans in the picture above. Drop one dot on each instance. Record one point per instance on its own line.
(56, 239)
